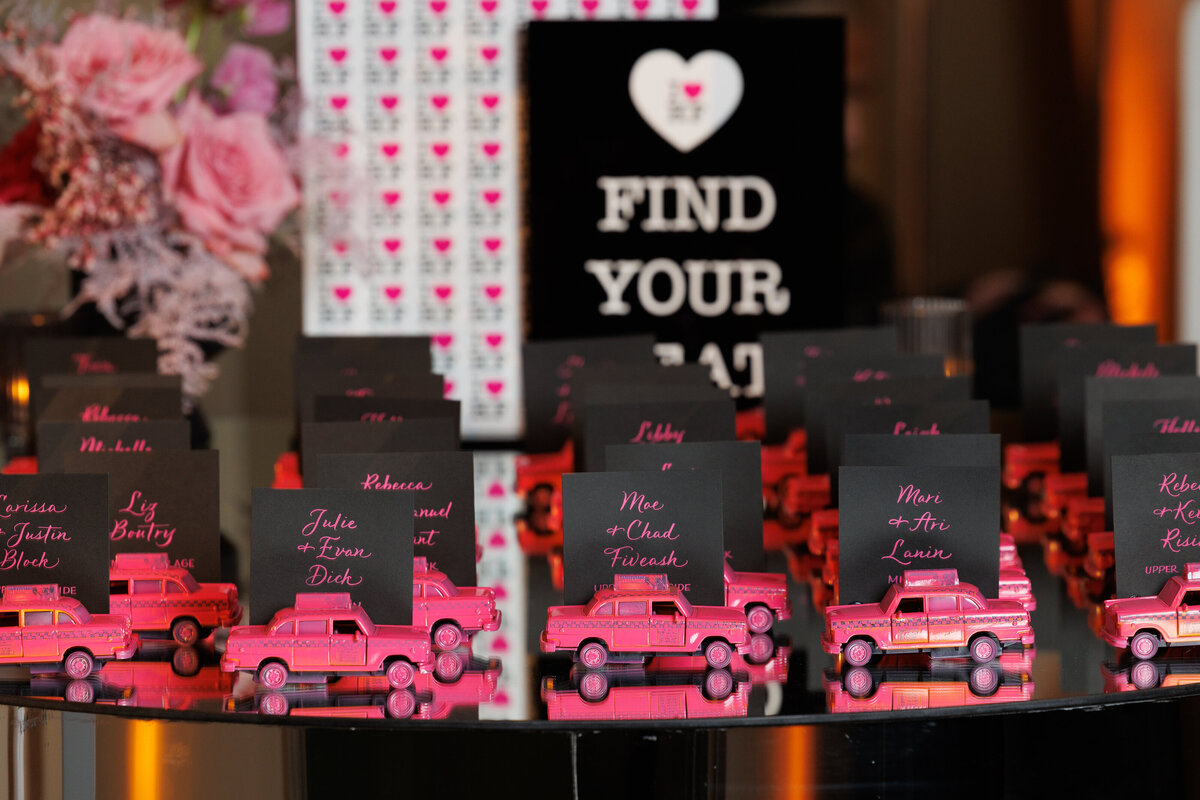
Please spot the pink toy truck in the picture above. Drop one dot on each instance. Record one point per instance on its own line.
(762, 596)
(158, 597)
(327, 634)
(642, 615)
(927, 610)
(1144, 624)
(451, 614)
(38, 626)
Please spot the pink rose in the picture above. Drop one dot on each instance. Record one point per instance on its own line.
(126, 73)
(267, 17)
(229, 182)
(246, 77)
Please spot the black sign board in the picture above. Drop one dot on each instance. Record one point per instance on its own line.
(1156, 505)
(639, 523)
(786, 357)
(164, 502)
(54, 529)
(892, 519)
(332, 541)
(740, 466)
(442, 486)
(111, 404)
(686, 183)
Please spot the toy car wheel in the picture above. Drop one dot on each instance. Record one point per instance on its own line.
(858, 652)
(80, 692)
(1144, 675)
(984, 649)
(185, 661)
(185, 631)
(593, 686)
(400, 704)
(718, 684)
(762, 647)
(718, 654)
(593, 655)
(400, 674)
(858, 682)
(273, 675)
(1144, 645)
(273, 704)
(78, 664)
(984, 680)
(447, 636)
(760, 619)
(449, 667)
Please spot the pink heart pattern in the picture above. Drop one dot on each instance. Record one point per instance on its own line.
(490, 101)
(391, 198)
(497, 540)
(443, 292)
(389, 101)
(439, 101)
(340, 247)
(437, 6)
(492, 245)
(391, 245)
(441, 198)
(339, 102)
(390, 150)
(388, 54)
(387, 6)
(337, 7)
(501, 592)
(692, 90)
(488, 6)
(495, 387)
(491, 149)
(342, 150)
(438, 53)
(493, 291)
(491, 197)
(494, 339)
(443, 340)
(489, 53)
(442, 245)
(393, 292)
(440, 149)
(496, 490)
(448, 388)
(338, 54)
(342, 293)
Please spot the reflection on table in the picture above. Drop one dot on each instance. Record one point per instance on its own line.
(912, 681)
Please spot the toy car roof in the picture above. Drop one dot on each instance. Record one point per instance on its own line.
(634, 583)
(155, 561)
(323, 601)
(25, 593)
(930, 578)
(1193, 572)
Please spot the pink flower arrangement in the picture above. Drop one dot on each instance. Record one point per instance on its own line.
(162, 187)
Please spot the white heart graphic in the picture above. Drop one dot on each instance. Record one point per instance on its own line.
(685, 102)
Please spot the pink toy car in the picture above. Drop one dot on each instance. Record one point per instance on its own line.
(450, 613)
(1015, 585)
(763, 596)
(642, 614)
(1144, 624)
(928, 610)
(159, 597)
(38, 626)
(329, 635)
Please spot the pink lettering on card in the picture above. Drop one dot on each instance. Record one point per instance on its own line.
(1110, 368)
(904, 429)
(1174, 485)
(657, 433)
(1175, 425)
(87, 364)
(101, 413)
(373, 481)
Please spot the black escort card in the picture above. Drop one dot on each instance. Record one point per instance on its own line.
(892, 519)
(166, 502)
(740, 466)
(1107, 361)
(1040, 346)
(903, 419)
(1145, 427)
(1156, 503)
(55, 530)
(313, 383)
(786, 357)
(417, 435)
(643, 523)
(339, 408)
(332, 540)
(69, 355)
(1099, 393)
(948, 450)
(56, 439)
(111, 404)
(651, 423)
(703, 207)
(80, 385)
(442, 486)
(830, 396)
(364, 353)
(549, 370)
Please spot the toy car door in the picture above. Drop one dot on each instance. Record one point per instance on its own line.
(118, 599)
(667, 624)
(1189, 614)
(311, 643)
(39, 637)
(910, 624)
(146, 606)
(946, 624)
(10, 635)
(347, 644)
(631, 628)
(420, 604)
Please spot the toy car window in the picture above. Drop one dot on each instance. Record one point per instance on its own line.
(971, 604)
(417, 588)
(65, 619)
(345, 627)
(1191, 598)
(285, 628)
(147, 587)
(118, 587)
(911, 605)
(604, 609)
(39, 617)
(9, 619)
(172, 587)
(433, 590)
(665, 608)
(631, 608)
(942, 602)
(311, 627)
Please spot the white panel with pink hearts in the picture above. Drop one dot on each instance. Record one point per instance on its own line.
(411, 182)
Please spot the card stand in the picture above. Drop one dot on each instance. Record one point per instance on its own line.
(860, 632)
(287, 471)
(914, 682)
(1026, 469)
(21, 465)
